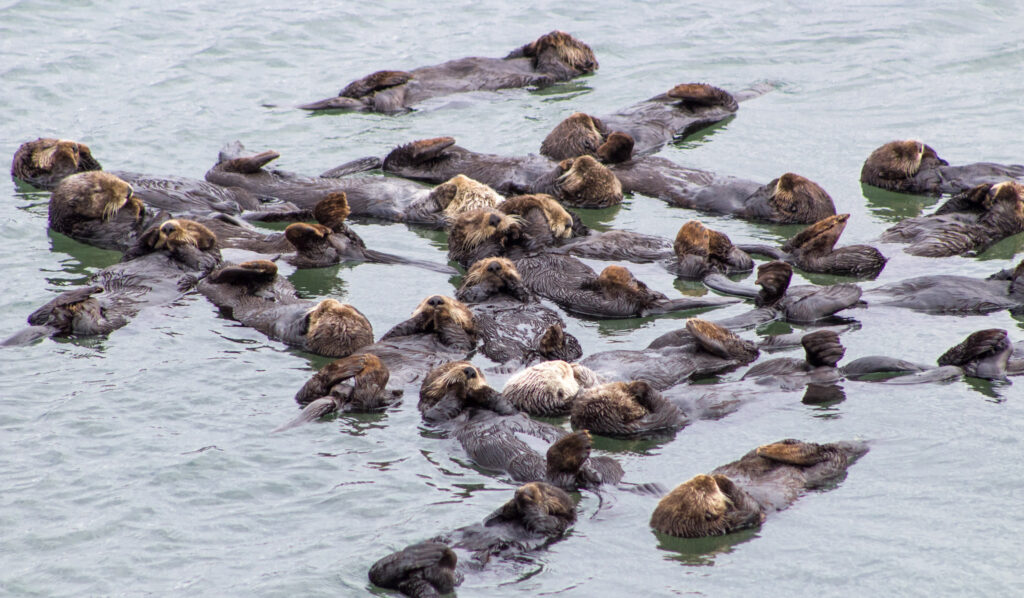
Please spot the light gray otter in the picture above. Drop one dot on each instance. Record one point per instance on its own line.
(384, 198)
(357, 383)
(953, 294)
(255, 295)
(625, 410)
(44, 163)
(967, 224)
(551, 58)
(162, 265)
(983, 354)
(814, 250)
(513, 325)
(581, 182)
(537, 515)
(549, 388)
(711, 349)
(740, 494)
(682, 111)
(440, 330)
(455, 396)
(910, 166)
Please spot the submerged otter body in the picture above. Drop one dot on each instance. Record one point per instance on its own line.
(553, 57)
(983, 354)
(910, 166)
(967, 224)
(580, 182)
(946, 293)
(163, 265)
(739, 495)
(813, 250)
(537, 515)
(513, 324)
(253, 294)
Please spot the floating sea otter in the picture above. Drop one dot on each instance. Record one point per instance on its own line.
(740, 494)
(549, 388)
(625, 410)
(950, 293)
(554, 57)
(814, 250)
(162, 265)
(254, 294)
(909, 166)
(983, 354)
(967, 224)
(538, 515)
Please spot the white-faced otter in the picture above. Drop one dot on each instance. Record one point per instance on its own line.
(538, 514)
(967, 224)
(254, 294)
(45, 162)
(710, 349)
(740, 494)
(553, 57)
(579, 182)
(162, 265)
(682, 111)
(456, 397)
(910, 166)
(513, 324)
(950, 293)
(814, 250)
(483, 233)
(548, 388)
(625, 409)
(357, 383)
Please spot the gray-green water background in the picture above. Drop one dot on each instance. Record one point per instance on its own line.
(141, 464)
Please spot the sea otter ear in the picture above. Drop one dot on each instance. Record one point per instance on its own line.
(373, 83)
(249, 164)
(85, 159)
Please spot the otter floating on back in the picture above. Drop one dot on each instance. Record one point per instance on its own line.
(910, 166)
(949, 293)
(553, 57)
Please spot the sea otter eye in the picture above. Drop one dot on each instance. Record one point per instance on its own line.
(709, 516)
(435, 301)
(494, 220)
(469, 372)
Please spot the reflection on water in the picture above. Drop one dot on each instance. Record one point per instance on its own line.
(893, 207)
(823, 395)
(702, 551)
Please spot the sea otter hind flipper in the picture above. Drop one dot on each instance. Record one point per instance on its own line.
(684, 303)
(702, 95)
(373, 83)
(249, 164)
(41, 316)
(719, 340)
(311, 412)
(353, 167)
(792, 452)
(423, 569)
(332, 210)
(417, 152)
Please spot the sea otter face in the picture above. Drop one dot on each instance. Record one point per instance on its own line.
(437, 311)
(559, 221)
(617, 148)
(569, 452)
(542, 498)
(983, 354)
(1009, 196)
(559, 53)
(460, 378)
(694, 96)
(577, 135)
(477, 234)
(586, 183)
(45, 161)
(490, 276)
(336, 329)
(96, 195)
(547, 388)
(177, 233)
(699, 507)
(895, 163)
(461, 194)
(820, 237)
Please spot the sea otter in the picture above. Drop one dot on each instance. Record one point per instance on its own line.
(455, 396)
(161, 266)
(553, 57)
(483, 233)
(740, 494)
(682, 111)
(357, 383)
(513, 324)
(440, 330)
(910, 166)
(548, 388)
(538, 514)
(949, 293)
(814, 250)
(983, 354)
(254, 294)
(625, 410)
(45, 162)
(581, 182)
(967, 224)
(822, 352)
(99, 209)
(700, 251)
(385, 198)
(711, 349)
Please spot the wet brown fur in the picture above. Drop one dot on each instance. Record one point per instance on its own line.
(586, 183)
(460, 377)
(179, 232)
(337, 329)
(896, 161)
(793, 193)
(579, 134)
(41, 161)
(702, 95)
(332, 210)
(559, 220)
(720, 341)
(559, 46)
(93, 195)
(461, 194)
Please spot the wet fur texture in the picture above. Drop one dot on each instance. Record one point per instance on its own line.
(548, 388)
(44, 162)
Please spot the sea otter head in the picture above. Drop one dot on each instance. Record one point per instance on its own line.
(546, 389)
(720, 341)
(177, 233)
(819, 238)
(822, 348)
(539, 508)
(607, 408)
(461, 380)
(791, 199)
(491, 276)
(895, 165)
(617, 148)
(578, 135)
(460, 194)
(94, 195)
(44, 162)
(481, 233)
(692, 240)
(773, 278)
(706, 505)
(559, 54)
(336, 329)
(438, 312)
(569, 452)
(694, 96)
(586, 183)
(74, 312)
(618, 282)
(542, 209)
(983, 354)
(1005, 203)
(423, 569)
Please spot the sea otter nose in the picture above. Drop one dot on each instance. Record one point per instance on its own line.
(168, 228)
(494, 267)
(494, 220)
(435, 301)
(469, 372)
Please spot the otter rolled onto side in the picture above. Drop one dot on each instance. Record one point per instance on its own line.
(910, 166)
(813, 250)
(551, 58)
(740, 494)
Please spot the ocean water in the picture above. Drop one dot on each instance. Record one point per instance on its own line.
(142, 464)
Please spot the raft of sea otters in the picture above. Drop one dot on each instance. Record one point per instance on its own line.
(511, 225)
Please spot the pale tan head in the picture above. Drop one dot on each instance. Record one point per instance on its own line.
(461, 378)
(461, 194)
(180, 232)
(692, 508)
(547, 388)
(498, 271)
(439, 309)
(475, 227)
(558, 219)
(692, 239)
(97, 195)
(336, 329)
(579, 134)
(586, 183)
